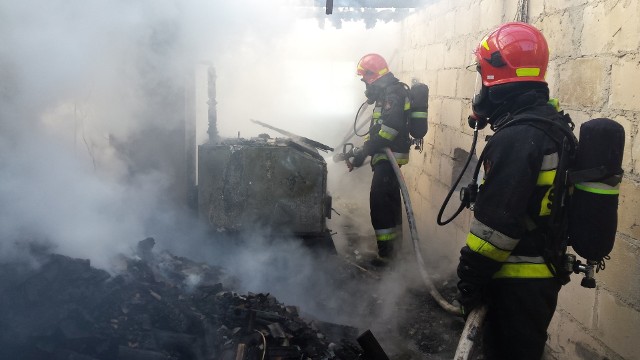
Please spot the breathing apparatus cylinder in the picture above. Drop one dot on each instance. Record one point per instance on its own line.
(596, 176)
(419, 97)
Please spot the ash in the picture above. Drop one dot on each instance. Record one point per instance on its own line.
(162, 306)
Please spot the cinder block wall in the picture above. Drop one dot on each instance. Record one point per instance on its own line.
(595, 72)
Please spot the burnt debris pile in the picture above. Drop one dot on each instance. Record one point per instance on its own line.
(155, 307)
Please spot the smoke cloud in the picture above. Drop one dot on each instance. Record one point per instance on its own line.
(92, 108)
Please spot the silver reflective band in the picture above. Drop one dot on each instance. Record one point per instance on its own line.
(549, 162)
(525, 259)
(387, 132)
(385, 231)
(492, 236)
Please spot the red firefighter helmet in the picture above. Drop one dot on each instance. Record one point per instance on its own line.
(371, 67)
(513, 52)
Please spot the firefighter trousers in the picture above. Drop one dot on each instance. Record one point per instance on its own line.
(386, 207)
(519, 314)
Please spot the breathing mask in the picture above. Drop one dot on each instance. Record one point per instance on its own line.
(372, 93)
(480, 104)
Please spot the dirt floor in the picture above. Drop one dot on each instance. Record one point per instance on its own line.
(417, 327)
(407, 320)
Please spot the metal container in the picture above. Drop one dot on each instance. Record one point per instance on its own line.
(262, 184)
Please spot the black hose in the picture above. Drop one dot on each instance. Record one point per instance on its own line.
(355, 120)
(455, 184)
(351, 133)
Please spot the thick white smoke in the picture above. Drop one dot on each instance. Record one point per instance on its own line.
(92, 100)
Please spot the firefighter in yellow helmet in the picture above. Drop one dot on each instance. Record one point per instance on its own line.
(510, 261)
(388, 128)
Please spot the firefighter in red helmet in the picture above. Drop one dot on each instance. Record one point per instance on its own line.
(510, 261)
(388, 128)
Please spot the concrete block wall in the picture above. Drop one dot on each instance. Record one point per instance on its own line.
(595, 72)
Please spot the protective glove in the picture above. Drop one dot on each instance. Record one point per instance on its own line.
(358, 159)
(469, 296)
(339, 157)
(475, 272)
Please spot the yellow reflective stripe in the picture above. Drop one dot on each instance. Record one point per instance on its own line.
(485, 248)
(380, 72)
(419, 115)
(485, 44)
(378, 157)
(523, 271)
(401, 158)
(366, 137)
(546, 177)
(385, 234)
(407, 104)
(555, 103)
(598, 188)
(527, 72)
(387, 132)
(545, 204)
(377, 112)
(386, 135)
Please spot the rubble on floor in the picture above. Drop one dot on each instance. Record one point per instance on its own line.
(161, 306)
(156, 308)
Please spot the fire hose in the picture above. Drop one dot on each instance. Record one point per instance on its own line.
(472, 329)
(435, 294)
(470, 334)
(414, 237)
(473, 325)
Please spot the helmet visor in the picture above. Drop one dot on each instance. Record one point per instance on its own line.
(366, 76)
(478, 83)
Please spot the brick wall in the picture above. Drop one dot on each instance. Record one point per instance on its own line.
(595, 72)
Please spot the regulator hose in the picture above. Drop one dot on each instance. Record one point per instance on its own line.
(355, 121)
(356, 126)
(455, 184)
(414, 236)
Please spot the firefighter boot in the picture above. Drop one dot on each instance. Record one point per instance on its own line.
(385, 253)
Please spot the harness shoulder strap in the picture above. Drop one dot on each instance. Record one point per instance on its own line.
(567, 146)
(561, 131)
